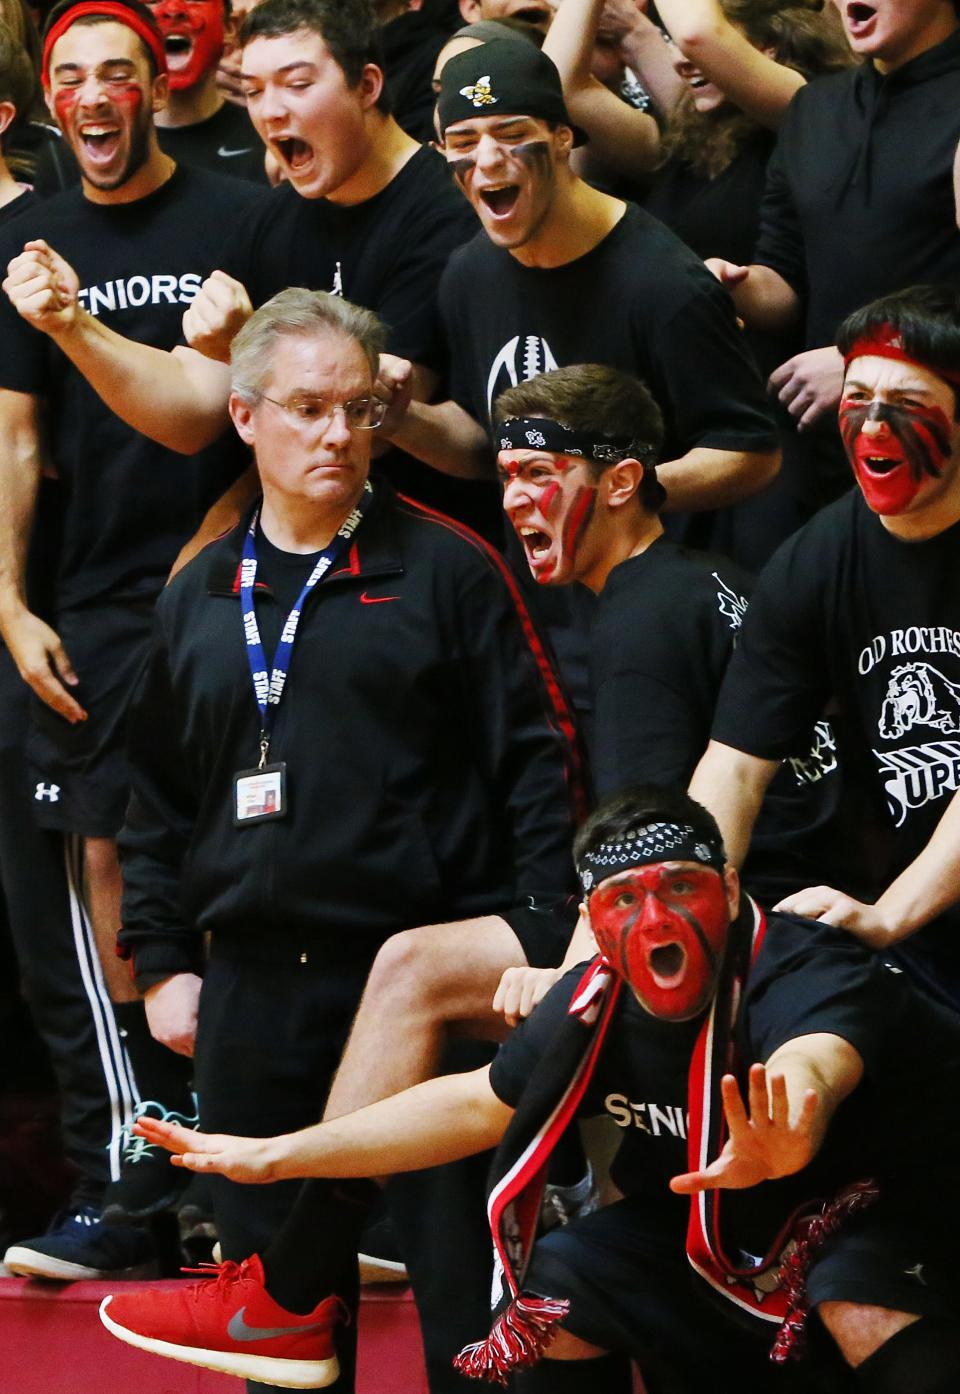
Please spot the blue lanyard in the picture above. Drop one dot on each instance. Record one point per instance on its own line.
(269, 690)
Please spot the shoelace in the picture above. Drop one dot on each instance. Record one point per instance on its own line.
(137, 1148)
(218, 1277)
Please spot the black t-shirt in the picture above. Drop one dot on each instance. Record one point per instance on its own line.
(386, 254)
(661, 639)
(859, 198)
(807, 978)
(640, 1084)
(130, 503)
(848, 614)
(665, 628)
(716, 217)
(640, 301)
(225, 142)
(285, 574)
(721, 218)
(28, 199)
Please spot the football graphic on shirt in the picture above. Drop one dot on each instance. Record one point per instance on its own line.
(523, 357)
(919, 695)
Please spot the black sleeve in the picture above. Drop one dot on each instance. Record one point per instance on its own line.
(159, 824)
(519, 1055)
(702, 374)
(24, 351)
(810, 977)
(410, 306)
(526, 741)
(462, 379)
(780, 239)
(777, 684)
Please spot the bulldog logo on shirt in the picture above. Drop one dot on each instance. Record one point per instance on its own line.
(919, 695)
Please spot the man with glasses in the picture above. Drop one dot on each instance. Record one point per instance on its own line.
(344, 730)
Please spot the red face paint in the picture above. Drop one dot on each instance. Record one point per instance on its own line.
(664, 930)
(550, 508)
(548, 497)
(908, 446)
(193, 38)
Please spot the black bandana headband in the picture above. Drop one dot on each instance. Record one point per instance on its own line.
(655, 842)
(540, 433)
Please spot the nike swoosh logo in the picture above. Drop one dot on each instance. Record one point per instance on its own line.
(226, 154)
(376, 599)
(238, 1330)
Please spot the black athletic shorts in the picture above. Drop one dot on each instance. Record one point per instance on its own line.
(543, 927)
(631, 1290)
(900, 1253)
(79, 777)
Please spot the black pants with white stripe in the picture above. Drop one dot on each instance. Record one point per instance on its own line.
(40, 877)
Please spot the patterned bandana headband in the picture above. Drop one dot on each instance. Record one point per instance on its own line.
(886, 342)
(654, 842)
(540, 433)
(105, 9)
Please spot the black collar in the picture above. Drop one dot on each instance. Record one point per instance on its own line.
(375, 551)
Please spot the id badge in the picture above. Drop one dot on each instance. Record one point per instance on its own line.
(260, 794)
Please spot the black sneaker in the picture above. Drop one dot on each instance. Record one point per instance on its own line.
(147, 1183)
(379, 1258)
(79, 1244)
(197, 1228)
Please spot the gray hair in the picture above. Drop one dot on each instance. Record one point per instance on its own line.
(301, 313)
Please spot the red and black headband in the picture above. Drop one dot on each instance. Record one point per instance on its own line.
(886, 342)
(106, 9)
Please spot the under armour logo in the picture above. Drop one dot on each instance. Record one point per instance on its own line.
(916, 1272)
(48, 791)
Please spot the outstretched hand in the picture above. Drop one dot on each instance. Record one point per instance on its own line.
(251, 1160)
(763, 1144)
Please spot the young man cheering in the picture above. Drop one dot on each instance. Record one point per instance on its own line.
(859, 610)
(696, 1003)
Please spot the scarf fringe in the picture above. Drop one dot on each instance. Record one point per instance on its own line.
(810, 1236)
(518, 1338)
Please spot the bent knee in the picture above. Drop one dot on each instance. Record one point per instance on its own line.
(860, 1330)
(566, 1346)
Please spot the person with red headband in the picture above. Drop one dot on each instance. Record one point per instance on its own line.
(746, 1069)
(142, 234)
(859, 613)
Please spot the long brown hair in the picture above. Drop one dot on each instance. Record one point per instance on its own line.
(808, 37)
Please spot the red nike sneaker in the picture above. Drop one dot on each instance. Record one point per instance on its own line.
(229, 1322)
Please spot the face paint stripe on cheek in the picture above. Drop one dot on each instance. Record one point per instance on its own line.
(461, 168)
(578, 519)
(548, 497)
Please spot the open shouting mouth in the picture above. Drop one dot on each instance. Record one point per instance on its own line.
(500, 199)
(179, 50)
(295, 153)
(668, 964)
(861, 18)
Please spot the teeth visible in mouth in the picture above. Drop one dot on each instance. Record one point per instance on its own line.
(536, 542)
(500, 200)
(880, 464)
(177, 44)
(98, 136)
